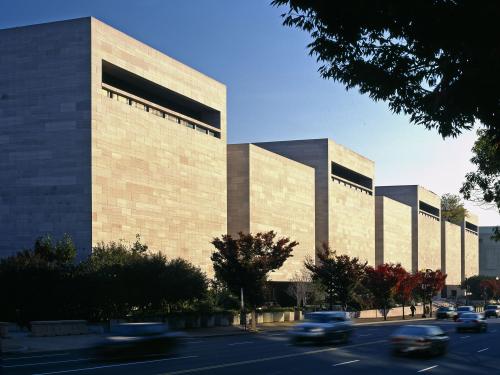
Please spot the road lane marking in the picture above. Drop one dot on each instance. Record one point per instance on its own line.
(366, 334)
(194, 342)
(493, 331)
(266, 359)
(115, 365)
(34, 356)
(241, 343)
(482, 350)
(428, 368)
(464, 337)
(345, 363)
(48, 363)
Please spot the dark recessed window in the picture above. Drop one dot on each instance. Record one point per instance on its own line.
(152, 92)
(471, 226)
(428, 209)
(352, 176)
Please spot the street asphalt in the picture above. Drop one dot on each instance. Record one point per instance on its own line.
(368, 352)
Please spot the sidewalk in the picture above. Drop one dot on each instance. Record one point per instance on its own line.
(22, 342)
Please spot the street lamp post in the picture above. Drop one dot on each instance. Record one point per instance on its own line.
(467, 292)
(495, 292)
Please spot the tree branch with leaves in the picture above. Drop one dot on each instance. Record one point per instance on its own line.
(339, 275)
(246, 261)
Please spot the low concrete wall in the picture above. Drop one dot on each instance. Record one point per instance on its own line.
(289, 316)
(268, 317)
(394, 312)
(58, 328)
(278, 316)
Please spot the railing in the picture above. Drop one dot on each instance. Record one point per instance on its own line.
(352, 185)
(162, 112)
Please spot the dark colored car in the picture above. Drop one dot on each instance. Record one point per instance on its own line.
(132, 340)
(492, 311)
(323, 326)
(419, 339)
(446, 313)
(464, 310)
(472, 322)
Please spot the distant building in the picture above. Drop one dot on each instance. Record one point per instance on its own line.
(103, 137)
(426, 225)
(393, 241)
(489, 253)
(267, 191)
(345, 205)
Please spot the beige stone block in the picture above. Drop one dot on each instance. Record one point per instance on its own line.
(267, 191)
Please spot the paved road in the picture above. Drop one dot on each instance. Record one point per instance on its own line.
(271, 353)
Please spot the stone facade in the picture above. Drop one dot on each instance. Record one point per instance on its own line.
(451, 250)
(489, 253)
(426, 226)
(103, 138)
(267, 191)
(45, 153)
(101, 162)
(392, 232)
(470, 246)
(345, 209)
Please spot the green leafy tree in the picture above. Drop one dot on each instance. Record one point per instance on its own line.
(421, 61)
(452, 209)
(340, 275)
(37, 284)
(61, 252)
(118, 279)
(115, 281)
(246, 261)
(483, 185)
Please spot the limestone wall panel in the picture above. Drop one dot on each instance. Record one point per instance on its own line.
(393, 226)
(152, 176)
(451, 247)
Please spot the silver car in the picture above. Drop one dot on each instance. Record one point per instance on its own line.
(472, 322)
(323, 326)
(419, 338)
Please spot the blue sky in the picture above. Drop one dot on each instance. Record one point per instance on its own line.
(274, 90)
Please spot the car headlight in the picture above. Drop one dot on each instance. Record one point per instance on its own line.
(317, 330)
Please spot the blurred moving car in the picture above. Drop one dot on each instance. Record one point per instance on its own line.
(323, 326)
(419, 338)
(492, 310)
(472, 322)
(137, 339)
(446, 313)
(464, 310)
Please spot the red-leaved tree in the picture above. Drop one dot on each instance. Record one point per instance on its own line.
(381, 281)
(405, 287)
(490, 288)
(431, 283)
